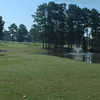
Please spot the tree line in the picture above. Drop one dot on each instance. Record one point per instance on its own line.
(17, 33)
(58, 26)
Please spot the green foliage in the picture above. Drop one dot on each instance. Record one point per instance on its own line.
(22, 33)
(1, 28)
(13, 29)
(75, 24)
(19, 34)
(59, 25)
(95, 16)
(50, 19)
(35, 36)
(7, 36)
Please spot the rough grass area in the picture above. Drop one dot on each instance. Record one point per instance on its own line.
(25, 74)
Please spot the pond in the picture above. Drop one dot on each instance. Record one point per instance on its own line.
(79, 55)
(87, 57)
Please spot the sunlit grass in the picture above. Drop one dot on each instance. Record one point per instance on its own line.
(25, 74)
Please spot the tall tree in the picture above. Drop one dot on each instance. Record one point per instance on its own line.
(22, 33)
(50, 20)
(75, 25)
(40, 19)
(56, 24)
(13, 32)
(1, 28)
(6, 35)
(95, 24)
(35, 36)
(86, 20)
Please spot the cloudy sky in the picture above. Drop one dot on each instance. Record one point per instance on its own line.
(20, 11)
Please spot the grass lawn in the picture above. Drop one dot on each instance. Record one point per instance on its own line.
(25, 74)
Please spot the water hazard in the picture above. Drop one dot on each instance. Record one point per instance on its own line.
(85, 57)
(79, 55)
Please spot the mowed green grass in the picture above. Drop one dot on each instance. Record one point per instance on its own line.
(25, 74)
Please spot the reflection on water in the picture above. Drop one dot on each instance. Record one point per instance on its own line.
(85, 57)
(79, 55)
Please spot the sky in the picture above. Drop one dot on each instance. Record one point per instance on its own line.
(20, 11)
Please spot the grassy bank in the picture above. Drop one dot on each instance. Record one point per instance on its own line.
(25, 74)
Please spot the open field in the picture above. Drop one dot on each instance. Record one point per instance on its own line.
(25, 74)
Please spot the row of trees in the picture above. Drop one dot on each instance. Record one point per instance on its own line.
(1, 28)
(19, 34)
(15, 33)
(57, 26)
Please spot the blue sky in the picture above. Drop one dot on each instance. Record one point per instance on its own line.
(20, 11)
